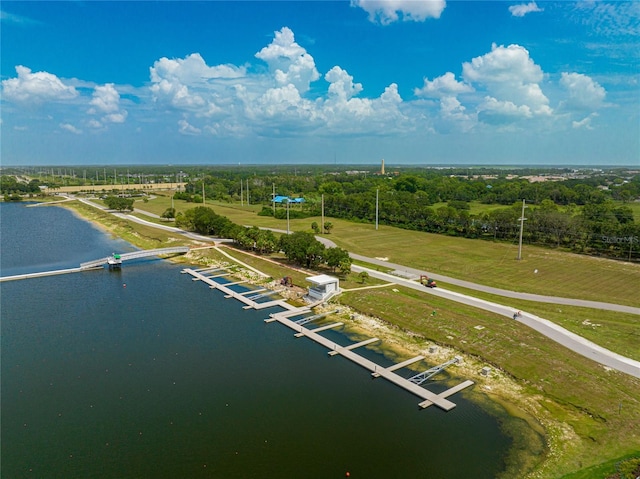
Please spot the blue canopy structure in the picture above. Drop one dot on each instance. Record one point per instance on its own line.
(284, 199)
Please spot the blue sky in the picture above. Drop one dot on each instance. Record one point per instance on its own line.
(410, 81)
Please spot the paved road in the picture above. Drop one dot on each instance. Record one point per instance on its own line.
(551, 330)
(172, 229)
(412, 272)
(501, 292)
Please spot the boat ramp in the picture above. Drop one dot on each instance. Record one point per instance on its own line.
(286, 317)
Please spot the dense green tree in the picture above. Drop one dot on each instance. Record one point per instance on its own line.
(185, 220)
(576, 213)
(303, 248)
(337, 258)
(119, 203)
(169, 213)
(206, 221)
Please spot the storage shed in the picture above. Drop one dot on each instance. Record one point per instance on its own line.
(322, 287)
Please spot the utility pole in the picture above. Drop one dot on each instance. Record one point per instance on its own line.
(287, 200)
(241, 193)
(522, 220)
(203, 190)
(377, 195)
(322, 225)
(247, 191)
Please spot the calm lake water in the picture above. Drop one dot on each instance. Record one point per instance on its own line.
(164, 378)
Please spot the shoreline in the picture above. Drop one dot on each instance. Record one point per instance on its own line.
(504, 397)
(520, 419)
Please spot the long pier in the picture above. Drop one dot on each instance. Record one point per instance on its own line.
(98, 263)
(42, 274)
(135, 255)
(290, 311)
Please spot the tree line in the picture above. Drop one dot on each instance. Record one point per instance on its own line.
(588, 214)
(300, 247)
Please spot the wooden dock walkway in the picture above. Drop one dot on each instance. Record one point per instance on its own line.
(290, 311)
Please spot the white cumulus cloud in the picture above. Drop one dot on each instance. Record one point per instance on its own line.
(445, 85)
(454, 116)
(106, 98)
(389, 11)
(189, 83)
(106, 101)
(584, 92)
(192, 69)
(36, 87)
(288, 61)
(345, 115)
(284, 100)
(524, 8)
(341, 83)
(510, 76)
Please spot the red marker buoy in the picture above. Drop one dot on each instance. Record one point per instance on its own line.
(348, 474)
(124, 285)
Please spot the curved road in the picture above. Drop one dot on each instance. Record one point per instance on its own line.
(503, 292)
(549, 329)
(557, 333)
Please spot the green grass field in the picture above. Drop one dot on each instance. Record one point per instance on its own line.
(619, 332)
(485, 262)
(591, 416)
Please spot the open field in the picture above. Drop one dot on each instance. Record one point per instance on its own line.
(485, 262)
(590, 415)
(619, 332)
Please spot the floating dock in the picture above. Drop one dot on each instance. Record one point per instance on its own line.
(290, 311)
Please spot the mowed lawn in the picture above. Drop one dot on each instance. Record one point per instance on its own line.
(599, 407)
(540, 271)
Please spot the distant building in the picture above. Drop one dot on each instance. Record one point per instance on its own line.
(382, 168)
(285, 199)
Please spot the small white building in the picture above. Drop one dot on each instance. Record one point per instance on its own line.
(322, 287)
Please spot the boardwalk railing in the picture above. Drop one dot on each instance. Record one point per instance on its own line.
(135, 255)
